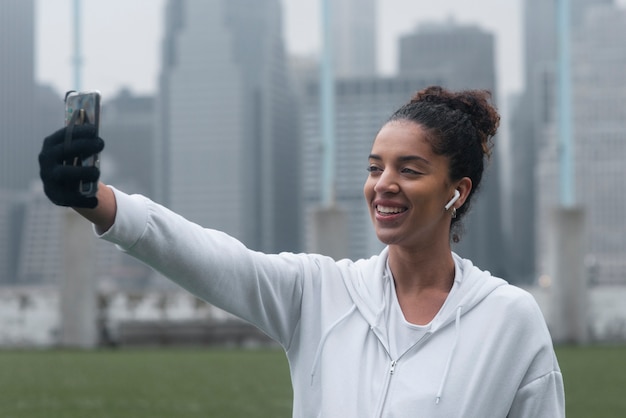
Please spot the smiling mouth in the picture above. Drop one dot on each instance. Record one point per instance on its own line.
(389, 210)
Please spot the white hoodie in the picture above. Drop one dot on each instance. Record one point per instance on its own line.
(486, 354)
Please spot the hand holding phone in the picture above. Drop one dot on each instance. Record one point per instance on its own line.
(68, 160)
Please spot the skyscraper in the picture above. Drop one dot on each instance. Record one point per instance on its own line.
(354, 37)
(18, 147)
(26, 115)
(9, 235)
(531, 111)
(227, 149)
(533, 118)
(129, 120)
(599, 144)
(533, 135)
(462, 57)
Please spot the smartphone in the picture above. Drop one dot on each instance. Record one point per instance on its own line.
(84, 108)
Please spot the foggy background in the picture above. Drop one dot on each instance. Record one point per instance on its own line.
(131, 31)
(212, 108)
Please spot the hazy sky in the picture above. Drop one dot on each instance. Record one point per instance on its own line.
(121, 41)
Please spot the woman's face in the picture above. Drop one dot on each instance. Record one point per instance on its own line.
(407, 187)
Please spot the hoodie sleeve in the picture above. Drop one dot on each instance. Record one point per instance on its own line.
(541, 398)
(265, 290)
(541, 392)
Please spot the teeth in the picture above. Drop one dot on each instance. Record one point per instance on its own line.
(389, 209)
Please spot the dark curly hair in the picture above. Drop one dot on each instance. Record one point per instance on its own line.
(459, 125)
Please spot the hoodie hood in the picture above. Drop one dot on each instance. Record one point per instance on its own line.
(367, 290)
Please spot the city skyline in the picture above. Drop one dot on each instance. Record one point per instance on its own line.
(31, 224)
(115, 37)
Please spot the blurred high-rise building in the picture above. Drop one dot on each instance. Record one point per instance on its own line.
(50, 111)
(227, 131)
(352, 29)
(354, 37)
(18, 147)
(48, 108)
(27, 113)
(599, 144)
(599, 80)
(10, 224)
(128, 129)
(533, 116)
(40, 259)
(462, 57)
(533, 120)
(530, 112)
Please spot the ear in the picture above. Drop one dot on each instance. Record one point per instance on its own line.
(464, 186)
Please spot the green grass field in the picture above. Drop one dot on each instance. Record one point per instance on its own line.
(144, 383)
(227, 383)
(595, 381)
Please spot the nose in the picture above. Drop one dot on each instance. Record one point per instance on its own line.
(386, 183)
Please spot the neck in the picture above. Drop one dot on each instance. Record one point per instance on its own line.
(418, 271)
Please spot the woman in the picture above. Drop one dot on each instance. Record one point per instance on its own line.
(414, 331)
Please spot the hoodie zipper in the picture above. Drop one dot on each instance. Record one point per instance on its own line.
(392, 370)
(383, 399)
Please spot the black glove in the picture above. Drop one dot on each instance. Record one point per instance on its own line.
(61, 178)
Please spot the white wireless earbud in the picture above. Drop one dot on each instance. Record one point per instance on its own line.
(456, 196)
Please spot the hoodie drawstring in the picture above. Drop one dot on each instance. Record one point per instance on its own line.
(457, 326)
(325, 336)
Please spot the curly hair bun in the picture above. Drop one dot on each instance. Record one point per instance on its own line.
(475, 104)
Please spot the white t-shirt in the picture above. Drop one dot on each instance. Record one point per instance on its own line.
(403, 334)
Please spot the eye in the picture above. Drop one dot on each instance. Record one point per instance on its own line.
(372, 169)
(410, 171)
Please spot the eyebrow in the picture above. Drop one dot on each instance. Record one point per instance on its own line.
(402, 159)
